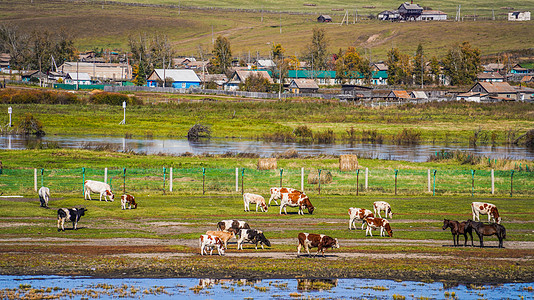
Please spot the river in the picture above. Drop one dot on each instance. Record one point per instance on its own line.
(416, 153)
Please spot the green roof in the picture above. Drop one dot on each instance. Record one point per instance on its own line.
(528, 66)
(328, 74)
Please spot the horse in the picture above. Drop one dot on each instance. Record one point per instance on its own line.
(458, 228)
(482, 230)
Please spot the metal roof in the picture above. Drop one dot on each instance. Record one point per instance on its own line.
(177, 75)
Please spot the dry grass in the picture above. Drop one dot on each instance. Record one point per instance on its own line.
(267, 164)
(348, 162)
(313, 177)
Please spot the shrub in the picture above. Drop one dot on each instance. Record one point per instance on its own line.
(29, 125)
(372, 136)
(109, 98)
(407, 137)
(279, 136)
(198, 131)
(13, 96)
(303, 132)
(325, 137)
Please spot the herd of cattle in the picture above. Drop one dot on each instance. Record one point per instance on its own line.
(243, 233)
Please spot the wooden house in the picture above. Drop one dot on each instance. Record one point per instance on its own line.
(303, 85)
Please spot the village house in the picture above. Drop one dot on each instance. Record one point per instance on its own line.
(265, 64)
(320, 77)
(410, 11)
(523, 68)
(240, 76)
(469, 96)
(519, 16)
(33, 75)
(4, 61)
(181, 78)
(419, 95)
(99, 71)
(495, 91)
(218, 79)
(490, 77)
(398, 95)
(78, 78)
(525, 94)
(324, 19)
(389, 15)
(493, 67)
(432, 15)
(298, 86)
(527, 79)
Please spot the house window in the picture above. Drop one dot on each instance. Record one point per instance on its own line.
(183, 85)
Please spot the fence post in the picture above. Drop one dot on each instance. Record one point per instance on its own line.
(302, 179)
(281, 172)
(512, 183)
(83, 181)
(35, 179)
(203, 181)
(164, 171)
(357, 182)
(106, 175)
(434, 193)
(366, 178)
(170, 180)
(242, 181)
(124, 181)
(42, 177)
(396, 171)
(429, 181)
(472, 183)
(492, 182)
(320, 181)
(237, 179)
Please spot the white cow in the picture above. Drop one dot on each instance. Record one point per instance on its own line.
(358, 214)
(208, 242)
(253, 198)
(482, 208)
(382, 205)
(102, 188)
(276, 193)
(44, 196)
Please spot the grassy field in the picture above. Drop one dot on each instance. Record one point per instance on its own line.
(451, 122)
(109, 26)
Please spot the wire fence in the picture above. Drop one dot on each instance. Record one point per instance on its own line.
(232, 180)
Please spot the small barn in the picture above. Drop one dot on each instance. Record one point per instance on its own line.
(399, 95)
(302, 85)
(324, 19)
(490, 77)
(78, 78)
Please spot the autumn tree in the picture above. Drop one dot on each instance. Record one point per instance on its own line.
(255, 83)
(222, 56)
(399, 67)
(435, 69)
(462, 64)
(317, 50)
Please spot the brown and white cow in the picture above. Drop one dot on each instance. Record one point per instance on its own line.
(321, 241)
(236, 225)
(382, 224)
(382, 205)
(482, 208)
(294, 199)
(358, 214)
(128, 199)
(210, 242)
(253, 198)
(276, 193)
(223, 235)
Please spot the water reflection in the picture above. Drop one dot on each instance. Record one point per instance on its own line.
(417, 153)
(316, 284)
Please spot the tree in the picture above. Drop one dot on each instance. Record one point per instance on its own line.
(317, 52)
(222, 56)
(435, 69)
(161, 51)
(399, 67)
(256, 83)
(419, 65)
(462, 64)
(277, 52)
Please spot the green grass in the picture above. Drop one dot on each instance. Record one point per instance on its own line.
(190, 28)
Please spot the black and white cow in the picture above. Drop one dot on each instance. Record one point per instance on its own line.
(237, 225)
(70, 214)
(252, 236)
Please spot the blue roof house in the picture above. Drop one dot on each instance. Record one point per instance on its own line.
(181, 79)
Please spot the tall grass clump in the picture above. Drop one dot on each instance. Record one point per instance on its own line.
(372, 136)
(325, 137)
(112, 99)
(303, 133)
(407, 137)
(279, 136)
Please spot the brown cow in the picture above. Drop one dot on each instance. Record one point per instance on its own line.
(276, 193)
(223, 235)
(295, 199)
(320, 241)
(374, 223)
(128, 199)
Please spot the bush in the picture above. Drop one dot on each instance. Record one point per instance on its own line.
(325, 137)
(198, 131)
(303, 132)
(29, 125)
(407, 137)
(13, 96)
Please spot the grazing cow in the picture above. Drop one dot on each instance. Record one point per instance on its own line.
(253, 198)
(358, 214)
(374, 223)
(295, 199)
(128, 199)
(276, 193)
(482, 230)
(321, 241)
(44, 196)
(458, 228)
(253, 236)
(99, 187)
(223, 235)
(382, 205)
(210, 242)
(236, 225)
(69, 214)
(481, 208)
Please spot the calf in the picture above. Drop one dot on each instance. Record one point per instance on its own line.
(481, 208)
(276, 193)
(223, 235)
(253, 236)
(210, 242)
(236, 225)
(374, 223)
(253, 198)
(358, 214)
(320, 241)
(70, 214)
(382, 205)
(295, 199)
(128, 199)
(44, 196)
(102, 188)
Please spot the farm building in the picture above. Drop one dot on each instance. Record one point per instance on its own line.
(4, 61)
(321, 77)
(523, 68)
(421, 95)
(218, 79)
(399, 95)
(33, 75)
(239, 77)
(303, 85)
(500, 91)
(493, 67)
(100, 71)
(525, 94)
(324, 19)
(389, 15)
(78, 78)
(432, 15)
(181, 79)
(490, 77)
(409, 11)
(265, 64)
(519, 16)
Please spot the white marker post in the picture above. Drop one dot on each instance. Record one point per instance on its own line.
(123, 122)
(9, 111)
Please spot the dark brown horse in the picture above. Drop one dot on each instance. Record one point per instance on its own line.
(458, 228)
(482, 230)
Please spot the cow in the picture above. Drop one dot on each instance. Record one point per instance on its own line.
(481, 208)
(320, 241)
(70, 214)
(128, 199)
(253, 198)
(102, 188)
(223, 235)
(276, 193)
(358, 214)
(236, 225)
(382, 205)
(294, 199)
(253, 236)
(210, 242)
(44, 196)
(374, 223)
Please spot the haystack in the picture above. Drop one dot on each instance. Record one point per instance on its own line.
(267, 164)
(348, 162)
(313, 177)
